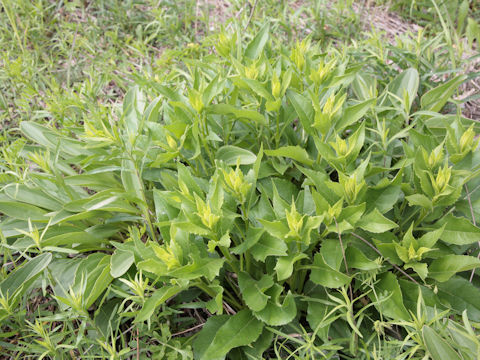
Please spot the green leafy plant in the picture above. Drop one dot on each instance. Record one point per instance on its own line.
(261, 201)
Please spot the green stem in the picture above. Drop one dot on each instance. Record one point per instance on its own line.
(144, 206)
(422, 216)
(230, 259)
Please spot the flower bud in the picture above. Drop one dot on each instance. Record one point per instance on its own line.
(435, 157)
(251, 71)
(323, 70)
(294, 221)
(351, 188)
(196, 100)
(236, 184)
(276, 86)
(172, 144)
(466, 140)
(205, 213)
(340, 146)
(442, 179)
(167, 255)
(223, 45)
(298, 54)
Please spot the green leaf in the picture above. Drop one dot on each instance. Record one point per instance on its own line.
(22, 276)
(154, 301)
(238, 330)
(252, 237)
(458, 230)
(406, 82)
(357, 259)
(253, 291)
(225, 109)
(435, 99)
(120, 262)
(258, 88)
(231, 154)
(275, 312)
(32, 196)
(353, 113)
(445, 267)
(98, 283)
(256, 350)
(255, 47)
(438, 348)
(293, 152)
(214, 88)
(460, 294)
(133, 106)
(317, 312)
(205, 336)
(21, 211)
(208, 267)
(268, 246)
(323, 274)
(419, 200)
(276, 228)
(130, 179)
(390, 298)
(304, 109)
(284, 267)
(92, 277)
(375, 222)
(383, 199)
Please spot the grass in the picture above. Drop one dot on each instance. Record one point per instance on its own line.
(108, 117)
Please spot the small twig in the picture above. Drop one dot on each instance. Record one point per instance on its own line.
(379, 253)
(251, 14)
(188, 330)
(474, 223)
(228, 308)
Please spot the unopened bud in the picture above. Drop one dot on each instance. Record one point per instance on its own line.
(276, 86)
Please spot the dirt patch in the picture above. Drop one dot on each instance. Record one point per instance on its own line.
(381, 18)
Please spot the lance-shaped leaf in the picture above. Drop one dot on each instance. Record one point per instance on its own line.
(120, 262)
(21, 211)
(458, 230)
(293, 152)
(375, 222)
(233, 154)
(255, 47)
(240, 114)
(390, 298)
(158, 298)
(303, 108)
(223, 333)
(435, 99)
(324, 274)
(437, 347)
(460, 294)
(445, 267)
(276, 228)
(23, 276)
(353, 113)
(208, 267)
